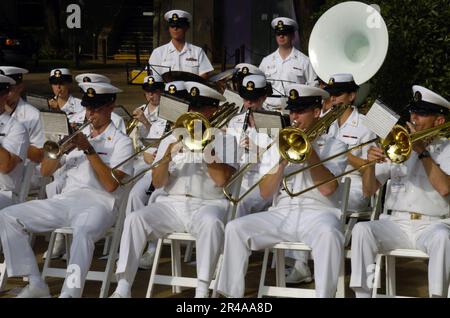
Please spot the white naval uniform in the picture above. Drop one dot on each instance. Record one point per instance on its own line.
(30, 117)
(138, 197)
(408, 191)
(253, 202)
(191, 59)
(353, 132)
(311, 218)
(55, 187)
(74, 110)
(13, 138)
(295, 68)
(83, 205)
(191, 203)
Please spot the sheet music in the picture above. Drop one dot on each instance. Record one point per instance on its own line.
(170, 109)
(268, 122)
(122, 112)
(231, 97)
(55, 123)
(40, 102)
(380, 119)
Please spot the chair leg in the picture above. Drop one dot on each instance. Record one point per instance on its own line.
(51, 243)
(188, 252)
(107, 245)
(340, 292)
(390, 276)
(348, 231)
(280, 268)
(217, 276)
(154, 268)
(376, 280)
(176, 264)
(263, 272)
(3, 277)
(109, 270)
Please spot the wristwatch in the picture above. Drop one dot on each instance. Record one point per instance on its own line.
(424, 154)
(89, 151)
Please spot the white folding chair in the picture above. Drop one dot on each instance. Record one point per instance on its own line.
(106, 276)
(176, 280)
(390, 270)
(280, 290)
(19, 195)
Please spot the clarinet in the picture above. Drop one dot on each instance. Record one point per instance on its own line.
(245, 126)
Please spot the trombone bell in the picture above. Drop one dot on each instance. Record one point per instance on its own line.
(294, 145)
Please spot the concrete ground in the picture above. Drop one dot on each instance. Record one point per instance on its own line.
(411, 277)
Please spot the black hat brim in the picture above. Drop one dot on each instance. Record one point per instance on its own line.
(60, 80)
(98, 100)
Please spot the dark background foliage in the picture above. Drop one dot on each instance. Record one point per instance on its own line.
(419, 49)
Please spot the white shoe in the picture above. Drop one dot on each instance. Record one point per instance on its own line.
(34, 292)
(300, 274)
(146, 260)
(117, 295)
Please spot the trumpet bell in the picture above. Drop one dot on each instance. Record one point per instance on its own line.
(351, 37)
(397, 145)
(51, 149)
(294, 145)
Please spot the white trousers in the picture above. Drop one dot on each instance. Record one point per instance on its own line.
(321, 230)
(80, 209)
(5, 199)
(204, 219)
(388, 233)
(138, 197)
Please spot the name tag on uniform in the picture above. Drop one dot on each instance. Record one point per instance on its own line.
(191, 59)
(397, 185)
(349, 139)
(296, 68)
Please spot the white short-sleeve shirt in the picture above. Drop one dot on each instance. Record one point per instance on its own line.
(325, 146)
(74, 110)
(191, 59)
(296, 68)
(30, 118)
(189, 172)
(410, 189)
(113, 147)
(13, 138)
(353, 133)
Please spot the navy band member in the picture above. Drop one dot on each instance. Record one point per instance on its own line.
(87, 202)
(286, 63)
(25, 113)
(418, 195)
(349, 128)
(98, 78)
(179, 55)
(14, 143)
(139, 195)
(193, 202)
(312, 218)
(254, 90)
(61, 80)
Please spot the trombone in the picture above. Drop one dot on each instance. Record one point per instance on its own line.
(54, 150)
(294, 146)
(397, 146)
(133, 123)
(186, 121)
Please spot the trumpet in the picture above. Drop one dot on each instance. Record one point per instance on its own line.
(188, 122)
(397, 146)
(294, 147)
(54, 150)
